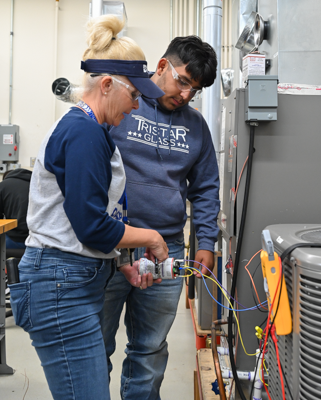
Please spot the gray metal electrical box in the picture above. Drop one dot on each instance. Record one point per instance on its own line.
(261, 98)
(9, 145)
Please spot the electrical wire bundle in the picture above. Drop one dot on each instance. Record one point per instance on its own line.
(270, 331)
(227, 296)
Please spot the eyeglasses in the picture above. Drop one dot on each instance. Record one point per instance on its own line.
(182, 84)
(134, 93)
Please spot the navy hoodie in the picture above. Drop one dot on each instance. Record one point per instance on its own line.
(14, 194)
(169, 157)
(77, 189)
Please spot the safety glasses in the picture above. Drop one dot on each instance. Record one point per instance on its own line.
(134, 93)
(182, 84)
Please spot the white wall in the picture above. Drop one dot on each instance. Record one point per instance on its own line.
(34, 107)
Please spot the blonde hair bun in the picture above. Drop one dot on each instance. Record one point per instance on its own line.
(101, 31)
(100, 34)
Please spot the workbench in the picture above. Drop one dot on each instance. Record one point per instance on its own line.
(5, 226)
(204, 376)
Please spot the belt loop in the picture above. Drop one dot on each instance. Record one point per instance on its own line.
(38, 258)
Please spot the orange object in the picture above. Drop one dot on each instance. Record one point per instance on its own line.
(200, 342)
(271, 274)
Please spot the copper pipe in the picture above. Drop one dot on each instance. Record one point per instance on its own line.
(216, 359)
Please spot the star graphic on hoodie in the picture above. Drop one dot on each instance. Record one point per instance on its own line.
(130, 132)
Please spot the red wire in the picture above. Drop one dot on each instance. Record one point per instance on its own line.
(267, 324)
(257, 295)
(278, 358)
(239, 180)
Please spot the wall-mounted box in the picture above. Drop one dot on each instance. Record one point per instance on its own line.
(9, 143)
(261, 98)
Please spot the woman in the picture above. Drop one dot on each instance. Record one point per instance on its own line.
(75, 222)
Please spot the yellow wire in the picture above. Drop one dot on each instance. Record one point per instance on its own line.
(260, 375)
(238, 325)
(186, 276)
(265, 367)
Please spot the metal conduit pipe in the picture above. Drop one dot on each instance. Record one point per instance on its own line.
(11, 62)
(55, 56)
(171, 21)
(198, 18)
(211, 100)
(216, 359)
(96, 8)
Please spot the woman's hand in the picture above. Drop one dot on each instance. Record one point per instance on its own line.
(135, 279)
(149, 238)
(158, 250)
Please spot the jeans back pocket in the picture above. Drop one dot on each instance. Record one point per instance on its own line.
(20, 304)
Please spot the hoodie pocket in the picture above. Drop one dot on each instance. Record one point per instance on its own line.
(156, 207)
(20, 304)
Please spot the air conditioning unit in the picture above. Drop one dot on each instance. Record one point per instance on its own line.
(300, 352)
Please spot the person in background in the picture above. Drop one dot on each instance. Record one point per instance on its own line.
(169, 157)
(14, 195)
(75, 219)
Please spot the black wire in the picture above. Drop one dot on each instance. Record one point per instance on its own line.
(237, 260)
(253, 292)
(255, 370)
(287, 251)
(263, 322)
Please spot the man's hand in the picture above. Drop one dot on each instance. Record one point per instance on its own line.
(135, 279)
(205, 257)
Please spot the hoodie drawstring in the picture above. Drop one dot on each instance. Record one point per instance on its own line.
(157, 149)
(169, 133)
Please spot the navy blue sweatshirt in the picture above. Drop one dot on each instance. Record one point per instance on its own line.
(169, 157)
(77, 189)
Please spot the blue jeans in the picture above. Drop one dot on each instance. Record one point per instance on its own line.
(59, 302)
(149, 316)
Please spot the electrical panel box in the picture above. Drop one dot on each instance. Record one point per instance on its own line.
(9, 143)
(261, 98)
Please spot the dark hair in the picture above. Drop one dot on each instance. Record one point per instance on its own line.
(199, 56)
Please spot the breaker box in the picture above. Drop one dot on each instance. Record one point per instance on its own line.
(9, 145)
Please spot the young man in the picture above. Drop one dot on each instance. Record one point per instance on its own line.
(169, 156)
